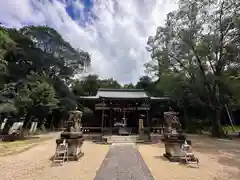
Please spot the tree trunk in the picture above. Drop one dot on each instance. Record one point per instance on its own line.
(27, 121)
(216, 123)
(186, 119)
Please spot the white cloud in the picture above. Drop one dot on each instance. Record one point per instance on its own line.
(116, 40)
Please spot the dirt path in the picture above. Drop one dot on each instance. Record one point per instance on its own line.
(219, 160)
(34, 164)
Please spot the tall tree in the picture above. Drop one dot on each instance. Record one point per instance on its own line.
(40, 65)
(200, 40)
(146, 83)
(91, 83)
(129, 86)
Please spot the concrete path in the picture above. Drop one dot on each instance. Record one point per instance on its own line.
(123, 162)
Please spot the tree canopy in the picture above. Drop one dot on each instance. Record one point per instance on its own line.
(195, 54)
(37, 66)
(194, 60)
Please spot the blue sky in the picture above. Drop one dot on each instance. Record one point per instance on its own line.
(114, 32)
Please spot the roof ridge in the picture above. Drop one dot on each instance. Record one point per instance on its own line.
(121, 90)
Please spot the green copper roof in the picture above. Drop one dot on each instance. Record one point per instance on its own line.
(122, 93)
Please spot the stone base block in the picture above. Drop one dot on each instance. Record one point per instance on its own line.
(72, 157)
(172, 158)
(173, 150)
(75, 157)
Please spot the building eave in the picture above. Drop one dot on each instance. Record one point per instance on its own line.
(160, 98)
(105, 97)
(88, 97)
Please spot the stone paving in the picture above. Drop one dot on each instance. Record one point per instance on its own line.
(123, 162)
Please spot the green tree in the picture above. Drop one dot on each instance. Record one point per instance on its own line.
(36, 68)
(146, 83)
(89, 85)
(129, 86)
(109, 83)
(201, 44)
(36, 98)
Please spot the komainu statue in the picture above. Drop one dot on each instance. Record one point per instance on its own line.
(172, 123)
(71, 139)
(173, 139)
(74, 121)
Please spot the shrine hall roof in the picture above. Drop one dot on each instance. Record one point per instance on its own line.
(122, 94)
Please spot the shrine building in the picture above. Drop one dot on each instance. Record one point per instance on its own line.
(113, 107)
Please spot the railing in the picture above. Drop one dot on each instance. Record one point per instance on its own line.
(91, 129)
(157, 130)
(104, 106)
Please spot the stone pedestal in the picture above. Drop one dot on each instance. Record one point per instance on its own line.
(173, 139)
(173, 149)
(72, 137)
(75, 148)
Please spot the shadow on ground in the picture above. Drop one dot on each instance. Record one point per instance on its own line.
(11, 138)
(161, 157)
(227, 151)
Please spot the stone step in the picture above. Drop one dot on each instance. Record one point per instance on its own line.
(121, 139)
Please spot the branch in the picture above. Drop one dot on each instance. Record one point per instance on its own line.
(195, 53)
(210, 62)
(222, 35)
(211, 97)
(199, 61)
(175, 69)
(181, 64)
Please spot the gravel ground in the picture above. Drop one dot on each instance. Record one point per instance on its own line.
(34, 164)
(219, 160)
(123, 162)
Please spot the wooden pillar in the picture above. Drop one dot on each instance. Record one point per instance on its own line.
(110, 120)
(102, 116)
(147, 118)
(124, 116)
(102, 119)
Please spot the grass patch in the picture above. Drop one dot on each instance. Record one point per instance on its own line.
(229, 128)
(9, 148)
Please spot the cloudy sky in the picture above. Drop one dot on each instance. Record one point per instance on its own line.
(114, 32)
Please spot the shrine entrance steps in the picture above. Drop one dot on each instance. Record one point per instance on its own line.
(122, 162)
(122, 139)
